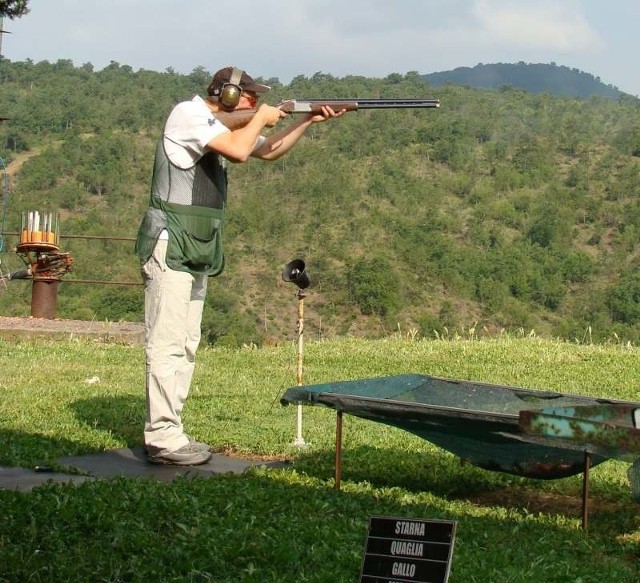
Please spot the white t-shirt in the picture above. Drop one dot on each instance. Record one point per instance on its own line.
(189, 128)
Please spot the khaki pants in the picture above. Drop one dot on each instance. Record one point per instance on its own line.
(173, 313)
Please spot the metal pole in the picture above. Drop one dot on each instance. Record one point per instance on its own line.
(299, 440)
(585, 490)
(294, 272)
(338, 463)
(44, 298)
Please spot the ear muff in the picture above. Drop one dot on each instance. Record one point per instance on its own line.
(231, 91)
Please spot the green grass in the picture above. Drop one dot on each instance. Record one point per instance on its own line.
(291, 524)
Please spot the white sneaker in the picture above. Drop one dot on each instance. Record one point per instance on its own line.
(191, 454)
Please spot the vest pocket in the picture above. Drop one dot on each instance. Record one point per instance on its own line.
(198, 253)
(197, 250)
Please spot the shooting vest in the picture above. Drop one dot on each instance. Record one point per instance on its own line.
(190, 205)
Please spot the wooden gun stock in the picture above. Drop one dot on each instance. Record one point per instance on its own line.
(238, 119)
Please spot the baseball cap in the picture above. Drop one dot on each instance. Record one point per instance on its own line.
(246, 82)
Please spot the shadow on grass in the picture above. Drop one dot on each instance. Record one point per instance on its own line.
(18, 448)
(106, 420)
(443, 474)
(122, 417)
(435, 471)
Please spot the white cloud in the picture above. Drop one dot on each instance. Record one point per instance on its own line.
(537, 25)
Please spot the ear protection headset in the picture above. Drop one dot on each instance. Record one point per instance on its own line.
(231, 91)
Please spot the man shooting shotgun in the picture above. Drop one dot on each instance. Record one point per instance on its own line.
(238, 119)
(179, 241)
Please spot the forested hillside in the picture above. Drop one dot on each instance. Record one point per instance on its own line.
(532, 77)
(500, 210)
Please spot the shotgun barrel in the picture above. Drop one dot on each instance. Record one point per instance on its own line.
(315, 105)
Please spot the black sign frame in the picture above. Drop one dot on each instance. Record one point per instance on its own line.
(408, 550)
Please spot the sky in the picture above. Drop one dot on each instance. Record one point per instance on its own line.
(371, 38)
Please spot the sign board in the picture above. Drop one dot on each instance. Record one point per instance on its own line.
(636, 418)
(405, 549)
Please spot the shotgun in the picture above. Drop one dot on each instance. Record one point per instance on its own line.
(240, 118)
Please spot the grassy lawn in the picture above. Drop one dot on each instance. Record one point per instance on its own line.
(291, 524)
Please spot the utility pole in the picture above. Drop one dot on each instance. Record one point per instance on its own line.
(2, 33)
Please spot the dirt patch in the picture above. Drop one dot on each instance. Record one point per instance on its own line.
(538, 501)
(19, 159)
(126, 332)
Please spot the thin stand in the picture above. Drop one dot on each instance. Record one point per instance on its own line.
(294, 272)
(301, 294)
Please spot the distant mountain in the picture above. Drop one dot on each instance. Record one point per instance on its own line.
(532, 77)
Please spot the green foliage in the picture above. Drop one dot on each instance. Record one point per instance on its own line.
(117, 304)
(516, 209)
(623, 299)
(374, 286)
(14, 8)
(223, 324)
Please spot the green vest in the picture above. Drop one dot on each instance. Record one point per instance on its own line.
(195, 229)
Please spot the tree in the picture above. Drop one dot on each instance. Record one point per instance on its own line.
(623, 299)
(14, 8)
(374, 286)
